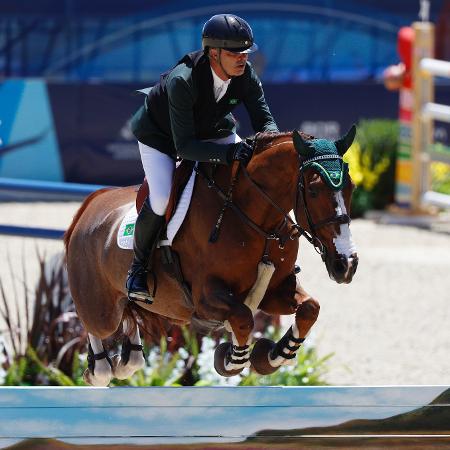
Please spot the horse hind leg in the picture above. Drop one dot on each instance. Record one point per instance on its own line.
(131, 358)
(99, 371)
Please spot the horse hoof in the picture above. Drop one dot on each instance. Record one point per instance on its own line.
(120, 371)
(260, 357)
(219, 360)
(123, 371)
(92, 380)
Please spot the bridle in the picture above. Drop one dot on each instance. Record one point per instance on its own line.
(295, 231)
(337, 219)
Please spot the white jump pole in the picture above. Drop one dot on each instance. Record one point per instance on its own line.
(435, 67)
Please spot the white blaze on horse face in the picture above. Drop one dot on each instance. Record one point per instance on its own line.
(343, 242)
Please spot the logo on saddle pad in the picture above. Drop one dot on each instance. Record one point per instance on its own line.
(129, 229)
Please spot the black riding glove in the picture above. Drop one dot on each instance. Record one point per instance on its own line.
(240, 152)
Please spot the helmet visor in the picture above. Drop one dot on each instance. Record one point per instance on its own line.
(230, 45)
(250, 49)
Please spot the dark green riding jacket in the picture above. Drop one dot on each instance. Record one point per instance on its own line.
(180, 112)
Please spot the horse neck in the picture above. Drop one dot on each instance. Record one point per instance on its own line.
(275, 172)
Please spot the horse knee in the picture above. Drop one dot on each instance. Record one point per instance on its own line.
(308, 310)
(241, 319)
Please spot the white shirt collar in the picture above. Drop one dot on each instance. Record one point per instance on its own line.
(220, 86)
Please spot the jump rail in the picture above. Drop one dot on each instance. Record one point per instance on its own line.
(20, 190)
(12, 189)
(35, 232)
(238, 418)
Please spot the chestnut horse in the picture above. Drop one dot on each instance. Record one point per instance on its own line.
(251, 264)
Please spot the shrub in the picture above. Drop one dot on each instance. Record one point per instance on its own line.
(372, 159)
(42, 347)
(440, 177)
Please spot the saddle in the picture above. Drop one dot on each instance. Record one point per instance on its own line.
(180, 179)
(169, 258)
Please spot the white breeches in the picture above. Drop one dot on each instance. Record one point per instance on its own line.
(159, 167)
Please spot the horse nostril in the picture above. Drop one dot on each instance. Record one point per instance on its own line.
(340, 265)
(355, 263)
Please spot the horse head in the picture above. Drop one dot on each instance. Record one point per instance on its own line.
(323, 202)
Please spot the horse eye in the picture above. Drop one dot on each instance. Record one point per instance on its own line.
(313, 193)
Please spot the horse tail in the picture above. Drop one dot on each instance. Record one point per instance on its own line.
(153, 325)
(78, 214)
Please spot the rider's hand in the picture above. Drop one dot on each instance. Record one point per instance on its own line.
(241, 152)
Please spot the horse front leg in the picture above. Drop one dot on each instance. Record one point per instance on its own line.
(288, 298)
(131, 358)
(218, 303)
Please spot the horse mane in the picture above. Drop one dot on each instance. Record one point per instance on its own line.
(76, 217)
(264, 140)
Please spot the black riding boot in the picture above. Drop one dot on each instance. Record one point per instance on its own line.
(146, 233)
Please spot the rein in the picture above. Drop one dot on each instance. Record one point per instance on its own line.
(297, 232)
(268, 235)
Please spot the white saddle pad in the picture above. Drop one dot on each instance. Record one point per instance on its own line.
(126, 229)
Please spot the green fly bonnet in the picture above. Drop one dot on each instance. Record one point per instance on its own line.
(326, 157)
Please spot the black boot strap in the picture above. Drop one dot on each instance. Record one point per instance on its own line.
(136, 347)
(292, 348)
(240, 348)
(241, 353)
(283, 344)
(286, 355)
(238, 361)
(91, 358)
(101, 355)
(296, 340)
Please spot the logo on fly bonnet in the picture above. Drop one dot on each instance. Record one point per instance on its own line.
(326, 157)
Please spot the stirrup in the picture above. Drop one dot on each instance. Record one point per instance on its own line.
(141, 296)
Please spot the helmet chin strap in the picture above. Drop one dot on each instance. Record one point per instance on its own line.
(219, 60)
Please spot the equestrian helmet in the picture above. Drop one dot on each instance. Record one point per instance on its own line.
(229, 32)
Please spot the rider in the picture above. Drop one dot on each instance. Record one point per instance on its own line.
(185, 115)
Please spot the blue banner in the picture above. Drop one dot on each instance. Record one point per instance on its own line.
(80, 133)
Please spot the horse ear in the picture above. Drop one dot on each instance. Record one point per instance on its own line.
(344, 143)
(302, 147)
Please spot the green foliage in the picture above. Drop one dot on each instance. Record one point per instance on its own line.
(440, 177)
(372, 159)
(28, 368)
(41, 346)
(190, 367)
(308, 371)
